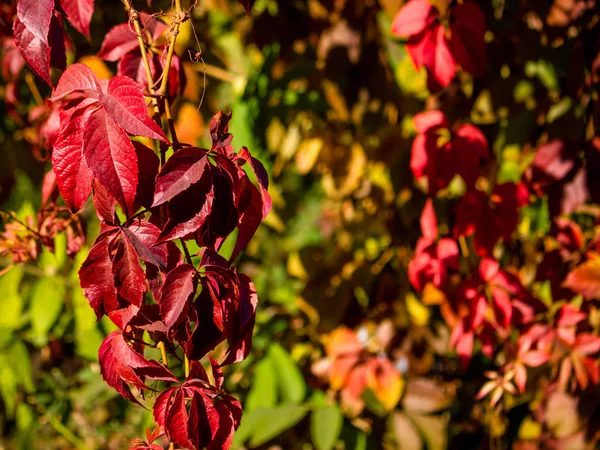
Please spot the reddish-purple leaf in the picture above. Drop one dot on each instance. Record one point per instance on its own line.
(130, 279)
(177, 294)
(35, 15)
(96, 277)
(144, 236)
(125, 103)
(181, 171)
(35, 52)
(111, 157)
(78, 77)
(176, 421)
(247, 4)
(73, 176)
(190, 210)
(79, 13)
(240, 337)
(148, 164)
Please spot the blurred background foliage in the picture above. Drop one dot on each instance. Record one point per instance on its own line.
(324, 96)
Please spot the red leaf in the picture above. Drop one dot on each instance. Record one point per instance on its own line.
(96, 277)
(121, 366)
(181, 171)
(190, 210)
(79, 13)
(143, 236)
(130, 280)
(177, 294)
(148, 164)
(176, 421)
(78, 77)
(587, 344)
(240, 337)
(247, 4)
(463, 341)
(430, 120)
(73, 176)
(35, 15)
(104, 203)
(535, 358)
(110, 155)
(35, 51)
(132, 66)
(413, 18)
(468, 38)
(439, 61)
(429, 222)
(125, 103)
(471, 149)
(121, 39)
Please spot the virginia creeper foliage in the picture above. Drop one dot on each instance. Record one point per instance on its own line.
(139, 272)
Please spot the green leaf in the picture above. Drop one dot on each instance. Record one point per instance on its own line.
(263, 393)
(272, 422)
(291, 382)
(11, 302)
(87, 333)
(47, 300)
(325, 426)
(8, 389)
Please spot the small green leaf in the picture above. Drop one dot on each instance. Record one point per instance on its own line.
(291, 382)
(11, 302)
(263, 393)
(47, 300)
(274, 421)
(325, 426)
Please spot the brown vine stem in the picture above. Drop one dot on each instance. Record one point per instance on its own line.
(34, 90)
(179, 16)
(134, 16)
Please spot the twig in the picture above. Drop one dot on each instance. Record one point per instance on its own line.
(179, 16)
(34, 90)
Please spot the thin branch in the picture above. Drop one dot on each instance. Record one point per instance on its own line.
(34, 90)
(134, 17)
(179, 16)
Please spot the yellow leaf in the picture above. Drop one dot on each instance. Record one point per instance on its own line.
(418, 312)
(98, 66)
(189, 124)
(432, 295)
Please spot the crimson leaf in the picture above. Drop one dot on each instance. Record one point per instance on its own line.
(79, 13)
(111, 156)
(121, 366)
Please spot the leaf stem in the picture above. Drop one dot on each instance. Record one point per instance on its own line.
(163, 353)
(187, 366)
(188, 257)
